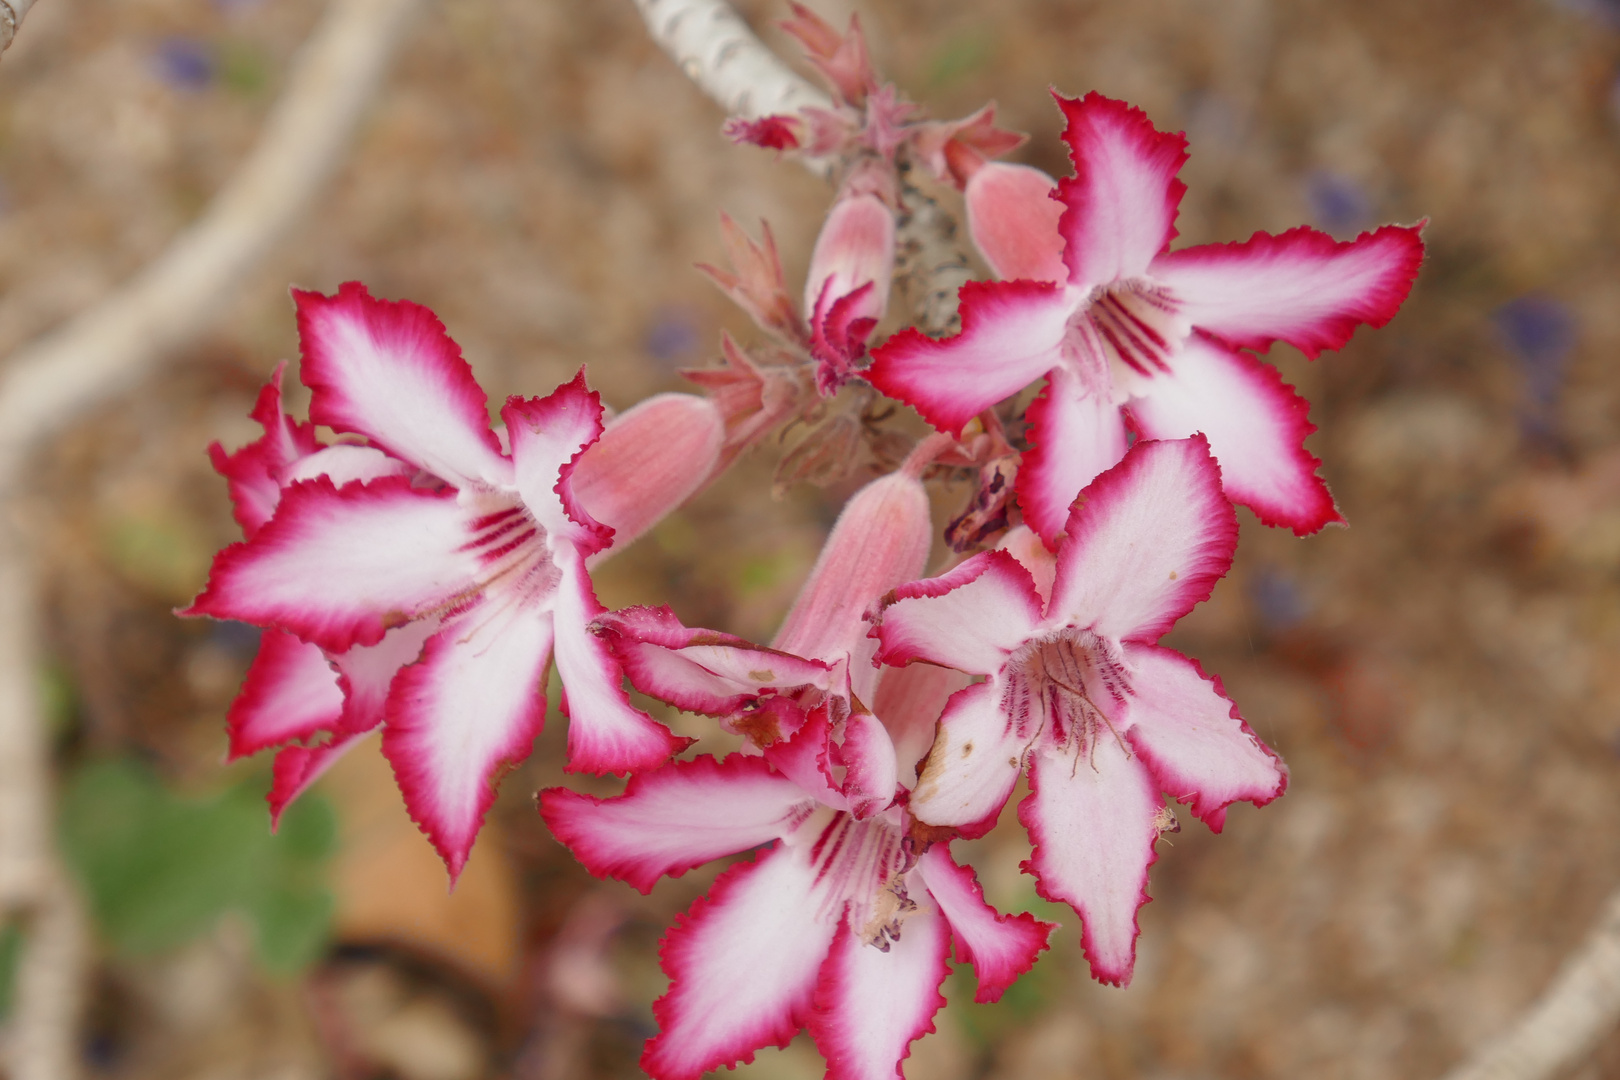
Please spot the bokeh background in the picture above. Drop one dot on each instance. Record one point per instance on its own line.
(1443, 676)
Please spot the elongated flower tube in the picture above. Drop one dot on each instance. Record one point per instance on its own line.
(470, 561)
(1077, 690)
(843, 926)
(1116, 321)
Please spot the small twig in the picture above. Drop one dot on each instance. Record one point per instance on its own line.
(1580, 1007)
(11, 17)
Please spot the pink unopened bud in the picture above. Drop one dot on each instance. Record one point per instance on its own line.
(855, 250)
(647, 462)
(850, 270)
(1014, 222)
(881, 541)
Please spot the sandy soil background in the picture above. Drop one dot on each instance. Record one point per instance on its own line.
(1443, 676)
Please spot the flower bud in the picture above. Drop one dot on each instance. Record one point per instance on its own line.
(1014, 222)
(648, 461)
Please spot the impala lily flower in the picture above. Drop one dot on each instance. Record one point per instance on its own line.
(843, 926)
(467, 560)
(1114, 320)
(1077, 689)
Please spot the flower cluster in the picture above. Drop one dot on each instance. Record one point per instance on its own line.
(421, 573)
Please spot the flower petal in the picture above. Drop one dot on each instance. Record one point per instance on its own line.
(389, 371)
(1302, 287)
(366, 672)
(1092, 816)
(648, 461)
(1000, 947)
(870, 774)
(968, 618)
(549, 435)
(1012, 215)
(298, 767)
(973, 765)
(464, 713)
(1075, 435)
(674, 818)
(1147, 541)
(872, 1003)
(254, 473)
(698, 670)
(1120, 206)
(723, 1002)
(881, 540)
(909, 701)
(1191, 738)
(344, 464)
(1256, 425)
(339, 567)
(290, 692)
(605, 732)
(1012, 333)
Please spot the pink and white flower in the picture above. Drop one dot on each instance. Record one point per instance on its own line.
(1116, 321)
(1077, 690)
(461, 567)
(843, 926)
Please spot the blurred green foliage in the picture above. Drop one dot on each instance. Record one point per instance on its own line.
(244, 69)
(159, 868)
(160, 551)
(960, 57)
(10, 952)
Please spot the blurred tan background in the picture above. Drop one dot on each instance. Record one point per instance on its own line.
(1443, 677)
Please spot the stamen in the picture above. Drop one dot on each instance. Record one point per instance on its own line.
(1066, 685)
(1133, 322)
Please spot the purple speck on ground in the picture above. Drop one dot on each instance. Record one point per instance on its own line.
(1338, 204)
(673, 334)
(1277, 598)
(185, 63)
(1540, 332)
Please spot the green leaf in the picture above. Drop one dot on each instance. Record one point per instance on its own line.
(160, 868)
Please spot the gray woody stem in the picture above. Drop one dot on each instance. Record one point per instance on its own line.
(94, 357)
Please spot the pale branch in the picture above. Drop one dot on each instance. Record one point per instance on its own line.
(717, 50)
(1568, 1021)
(113, 345)
(11, 17)
(95, 356)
